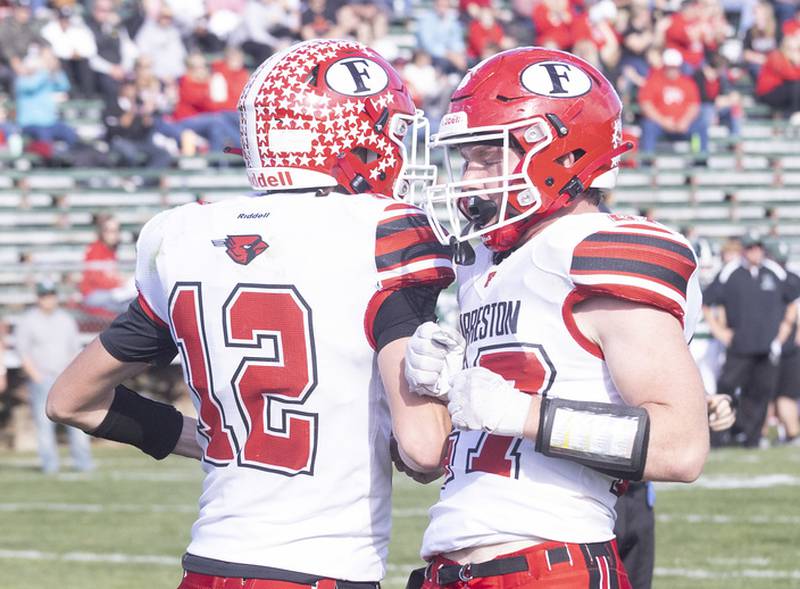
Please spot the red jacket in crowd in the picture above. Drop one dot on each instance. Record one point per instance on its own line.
(678, 37)
(550, 31)
(479, 37)
(672, 98)
(791, 26)
(775, 71)
(194, 98)
(100, 269)
(235, 81)
(463, 5)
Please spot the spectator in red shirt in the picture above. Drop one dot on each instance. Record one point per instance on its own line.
(485, 36)
(699, 26)
(670, 104)
(552, 20)
(103, 286)
(472, 8)
(227, 82)
(196, 110)
(228, 79)
(791, 26)
(778, 82)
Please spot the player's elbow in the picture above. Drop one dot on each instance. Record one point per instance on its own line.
(424, 452)
(60, 407)
(688, 464)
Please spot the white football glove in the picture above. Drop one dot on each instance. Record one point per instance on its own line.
(434, 353)
(482, 400)
(721, 415)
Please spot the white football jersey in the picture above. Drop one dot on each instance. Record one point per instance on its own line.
(270, 301)
(517, 320)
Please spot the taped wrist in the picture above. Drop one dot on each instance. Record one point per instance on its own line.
(151, 426)
(607, 437)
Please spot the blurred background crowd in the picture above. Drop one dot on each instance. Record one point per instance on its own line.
(148, 85)
(169, 72)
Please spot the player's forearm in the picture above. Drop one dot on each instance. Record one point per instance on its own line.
(187, 443)
(679, 442)
(77, 408)
(421, 432)
(84, 391)
(420, 424)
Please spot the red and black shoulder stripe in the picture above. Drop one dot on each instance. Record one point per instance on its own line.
(407, 251)
(641, 262)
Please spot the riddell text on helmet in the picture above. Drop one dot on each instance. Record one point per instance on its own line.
(270, 180)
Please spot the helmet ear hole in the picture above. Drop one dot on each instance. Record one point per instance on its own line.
(571, 157)
(365, 155)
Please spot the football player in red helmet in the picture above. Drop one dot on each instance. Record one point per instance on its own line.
(291, 309)
(551, 127)
(573, 375)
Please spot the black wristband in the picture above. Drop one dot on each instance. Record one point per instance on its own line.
(585, 435)
(151, 426)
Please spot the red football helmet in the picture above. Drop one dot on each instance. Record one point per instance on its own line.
(543, 104)
(333, 113)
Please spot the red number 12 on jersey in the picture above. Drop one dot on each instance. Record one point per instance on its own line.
(273, 323)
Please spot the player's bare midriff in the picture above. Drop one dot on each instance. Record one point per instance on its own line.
(476, 554)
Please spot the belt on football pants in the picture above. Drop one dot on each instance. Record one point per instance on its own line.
(493, 568)
(218, 568)
(441, 572)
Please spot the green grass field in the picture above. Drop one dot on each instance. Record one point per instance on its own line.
(126, 525)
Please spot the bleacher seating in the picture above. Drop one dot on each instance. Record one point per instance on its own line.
(46, 215)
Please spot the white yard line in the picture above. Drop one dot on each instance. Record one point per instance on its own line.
(104, 475)
(697, 518)
(111, 557)
(97, 507)
(727, 574)
(723, 482)
(410, 512)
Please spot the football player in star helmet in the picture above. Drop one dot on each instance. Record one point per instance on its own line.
(548, 125)
(333, 113)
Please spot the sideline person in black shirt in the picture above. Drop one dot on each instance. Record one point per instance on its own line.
(752, 294)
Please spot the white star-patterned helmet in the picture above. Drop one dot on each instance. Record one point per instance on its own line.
(328, 113)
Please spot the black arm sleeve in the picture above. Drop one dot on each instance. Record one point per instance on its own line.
(402, 312)
(135, 337)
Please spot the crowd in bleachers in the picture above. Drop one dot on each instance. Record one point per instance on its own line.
(169, 72)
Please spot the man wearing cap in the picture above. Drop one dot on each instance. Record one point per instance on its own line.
(670, 104)
(751, 294)
(47, 340)
(20, 36)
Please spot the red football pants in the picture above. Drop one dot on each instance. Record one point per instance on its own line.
(577, 567)
(198, 581)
